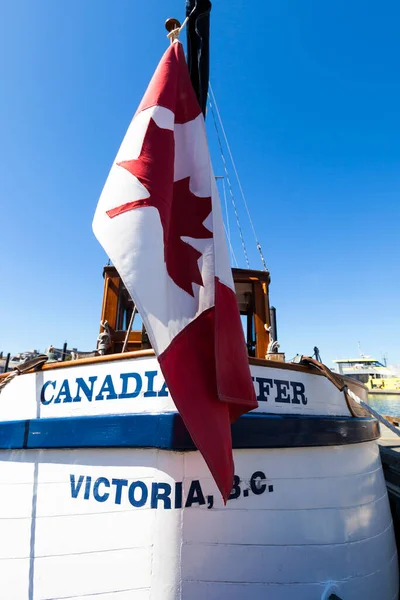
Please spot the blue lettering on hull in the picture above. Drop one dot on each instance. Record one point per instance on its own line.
(126, 386)
(158, 494)
(279, 390)
(130, 385)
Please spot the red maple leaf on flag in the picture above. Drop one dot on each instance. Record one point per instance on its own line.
(182, 213)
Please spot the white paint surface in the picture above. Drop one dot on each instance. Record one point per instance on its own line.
(327, 519)
(21, 399)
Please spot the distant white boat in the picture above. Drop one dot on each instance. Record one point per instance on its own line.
(378, 378)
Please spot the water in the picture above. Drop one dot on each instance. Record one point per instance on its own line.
(386, 405)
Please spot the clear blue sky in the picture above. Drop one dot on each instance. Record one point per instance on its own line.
(310, 95)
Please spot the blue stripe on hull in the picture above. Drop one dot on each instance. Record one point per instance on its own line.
(167, 431)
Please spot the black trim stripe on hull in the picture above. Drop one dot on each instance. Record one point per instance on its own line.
(167, 431)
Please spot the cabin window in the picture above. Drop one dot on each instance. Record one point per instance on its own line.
(251, 289)
(245, 296)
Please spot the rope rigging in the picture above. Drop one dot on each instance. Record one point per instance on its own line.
(229, 184)
(212, 97)
(227, 227)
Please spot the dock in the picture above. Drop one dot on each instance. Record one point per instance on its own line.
(389, 446)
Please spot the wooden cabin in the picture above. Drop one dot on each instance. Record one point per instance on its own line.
(252, 295)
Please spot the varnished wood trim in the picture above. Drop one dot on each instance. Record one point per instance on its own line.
(261, 362)
(99, 359)
(135, 336)
(105, 295)
(144, 353)
(92, 360)
(110, 300)
(140, 353)
(238, 274)
(267, 308)
(250, 274)
(259, 320)
(294, 367)
(354, 383)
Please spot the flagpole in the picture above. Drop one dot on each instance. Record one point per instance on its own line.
(198, 51)
(173, 27)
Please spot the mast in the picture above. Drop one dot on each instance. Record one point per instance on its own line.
(198, 50)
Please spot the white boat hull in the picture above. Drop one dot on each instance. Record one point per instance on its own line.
(101, 496)
(105, 523)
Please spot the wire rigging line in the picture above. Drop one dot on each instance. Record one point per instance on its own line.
(228, 227)
(237, 177)
(226, 211)
(233, 257)
(229, 183)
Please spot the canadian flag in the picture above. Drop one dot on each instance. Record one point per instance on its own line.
(159, 220)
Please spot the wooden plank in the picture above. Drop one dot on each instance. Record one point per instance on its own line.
(135, 337)
(109, 310)
(150, 352)
(260, 320)
(99, 359)
(91, 360)
(250, 274)
(267, 310)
